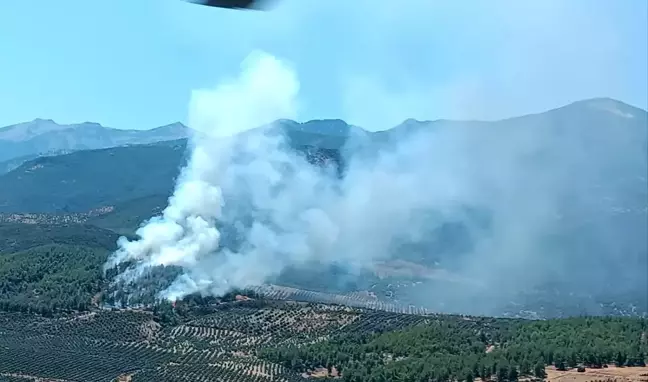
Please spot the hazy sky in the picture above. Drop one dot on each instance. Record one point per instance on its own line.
(133, 64)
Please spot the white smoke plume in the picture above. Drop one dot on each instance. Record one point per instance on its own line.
(186, 231)
(242, 181)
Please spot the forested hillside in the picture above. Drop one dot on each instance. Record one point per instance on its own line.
(468, 348)
(19, 237)
(46, 269)
(86, 180)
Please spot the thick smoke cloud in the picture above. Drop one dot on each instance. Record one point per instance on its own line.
(186, 234)
(247, 207)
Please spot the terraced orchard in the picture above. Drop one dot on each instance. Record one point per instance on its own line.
(268, 340)
(218, 345)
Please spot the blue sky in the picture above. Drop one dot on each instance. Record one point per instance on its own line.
(133, 64)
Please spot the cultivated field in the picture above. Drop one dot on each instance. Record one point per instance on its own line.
(131, 346)
(259, 340)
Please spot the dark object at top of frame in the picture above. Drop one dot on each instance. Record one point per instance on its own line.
(233, 4)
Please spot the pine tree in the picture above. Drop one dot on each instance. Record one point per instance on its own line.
(513, 374)
(539, 371)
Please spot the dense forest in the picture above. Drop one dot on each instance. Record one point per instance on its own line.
(51, 278)
(18, 237)
(467, 348)
(51, 268)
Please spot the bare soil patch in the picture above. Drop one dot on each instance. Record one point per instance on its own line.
(609, 374)
(322, 372)
(125, 378)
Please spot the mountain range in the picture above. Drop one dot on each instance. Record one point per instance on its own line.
(46, 137)
(598, 147)
(100, 166)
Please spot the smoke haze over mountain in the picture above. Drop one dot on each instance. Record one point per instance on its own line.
(517, 193)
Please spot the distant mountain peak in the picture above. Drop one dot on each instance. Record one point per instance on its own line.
(93, 124)
(171, 127)
(331, 121)
(25, 130)
(600, 100)
(41, 120)
(44, 135)
(174, 125)
(333, 127)
(28, 130)
(610, 105)
(613, 106)
(413, 122)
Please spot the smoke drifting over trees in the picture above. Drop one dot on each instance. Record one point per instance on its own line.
(530, 195)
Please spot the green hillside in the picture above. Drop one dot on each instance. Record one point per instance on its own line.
(20, 237)
(50, 268)
(126, 217)
(85, 180)
(468, 348)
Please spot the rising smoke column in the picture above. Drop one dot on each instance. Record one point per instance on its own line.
(186, 231)
(514, 175)
(292, 213)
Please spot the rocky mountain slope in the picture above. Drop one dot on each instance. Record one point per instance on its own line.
(41, 136)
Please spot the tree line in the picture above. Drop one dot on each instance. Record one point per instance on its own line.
(468, 348)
